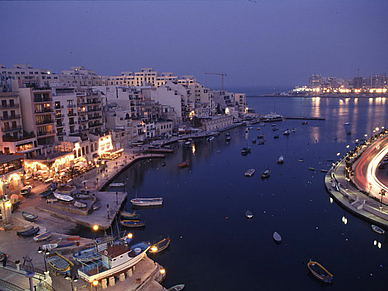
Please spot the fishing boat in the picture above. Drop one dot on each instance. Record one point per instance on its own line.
(65, 245)
(266, 173)
(261, 142)
(183, 164)
(73, 237)
(79, 204)
(147, 201)
(116, 185)
(301, 160)
(43, 236)
(293, 129)
(276, 136)
(29, 216)
(87, 255)
(2, 256)
(277, 237)
(96, 205)
(347, 123)
(228, 138)
(319, 271)
(305, 122)
(132, 223)
(245, 151)
(312, 169)
(324, 170)
(177, 287)
(63, 197)
(26, 190)
(49, 247)
(287, 132)
(275, 128)
(56, 241)
(115, 259)
(59, 263)
(249, 173)
(129, 215)
(160, 246)
(281, 160)
(249, 214)
(46, 194)
(163, 164)
(260, 136)
(27, 233)
(188, 143)
(210, 138)
(377, 229)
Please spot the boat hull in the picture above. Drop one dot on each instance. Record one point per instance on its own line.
(141, 202)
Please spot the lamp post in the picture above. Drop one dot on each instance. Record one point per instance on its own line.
(72, 279)
(382, 193)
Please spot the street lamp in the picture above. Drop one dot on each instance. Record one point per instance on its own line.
(71, 279)
(382, 193)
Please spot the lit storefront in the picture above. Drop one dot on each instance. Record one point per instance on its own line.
(106, 150)
(11, 171)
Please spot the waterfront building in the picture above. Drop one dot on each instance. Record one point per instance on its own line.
(216, 122)
(11, 171)
(315, 81)
(223, 100)
(164, 128)
(241, 100)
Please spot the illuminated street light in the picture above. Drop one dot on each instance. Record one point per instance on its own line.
(162, 271)
(96, 227)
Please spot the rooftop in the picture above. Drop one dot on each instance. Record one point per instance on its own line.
(7, 158)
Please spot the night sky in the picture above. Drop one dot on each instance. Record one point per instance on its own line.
(257, 43)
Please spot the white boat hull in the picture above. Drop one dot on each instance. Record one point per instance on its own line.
(112, 271)
(144, 202)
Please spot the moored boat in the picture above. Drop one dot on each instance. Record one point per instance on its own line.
(266, 173)
(183, 164)
(147, 201)
(65, 244)
(245, 151)
(249, 173)
(79, 204)
(377, 229)
(129, 215)
(261, 142)
(324, 170)
(73, 237)
(312, 169)
(96, 205)
(26, 190)
(210, 138)
(59, 263)
(116, 185)
(132, 223)
(281, 160)
(178, 287)
(249, 214)
(320, 271)
(29, 232)
(56, 241)
(114, 259)
(276, 136)
(29, 216)
(43, 236)
(277, 237)
(63, 197)
(87, 255)
(287, 132)
(160, 246)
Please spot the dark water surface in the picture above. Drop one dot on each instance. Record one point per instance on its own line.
(214, 246)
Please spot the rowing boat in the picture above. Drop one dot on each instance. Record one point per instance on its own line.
(29, 216)
(129, 215)
(177, 287)
(43, 236)
(132, 223)
(147, 201)
(377, 229)
(160, 246)
(29, 232)
(59, 263)
(320, 271)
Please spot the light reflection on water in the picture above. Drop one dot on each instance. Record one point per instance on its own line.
(206, 202)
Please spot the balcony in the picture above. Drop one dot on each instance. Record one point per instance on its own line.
(8, 95)
(61, 133)
(9, 129)
(59, 115)
(72, 114)
(94, 109)
(82, 120)
(95, 125)
(43, 100)
(73, 123)
(91, 117)
(71, 105)
(42, 133)
(58, 107)
(9, 138)
(7, 106)
(10, 117)
(60, 124)
(84, 130)
(41, 122)
(89, 102)
(44, 111)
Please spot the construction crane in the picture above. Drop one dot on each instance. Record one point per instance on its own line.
(223, 75)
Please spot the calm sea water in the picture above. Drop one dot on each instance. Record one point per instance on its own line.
(215, 247)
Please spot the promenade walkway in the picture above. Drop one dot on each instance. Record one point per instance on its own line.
(348, 195)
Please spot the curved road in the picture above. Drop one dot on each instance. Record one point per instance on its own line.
(366, 166)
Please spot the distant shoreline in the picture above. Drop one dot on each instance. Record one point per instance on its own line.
(321, 96)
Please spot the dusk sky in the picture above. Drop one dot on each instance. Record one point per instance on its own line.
(257, 42)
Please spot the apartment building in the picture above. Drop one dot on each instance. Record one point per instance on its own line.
(24, 75)
(37, 109)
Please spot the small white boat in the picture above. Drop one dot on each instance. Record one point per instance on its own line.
(249, 214)
(347, 123)
(287, 132)
(377, 229)
(281, 160)
(188, 143)
(277, 237)
(177, 287)
(210, 138)
(80, 204)
(293, 130)
(116, 184)
(249, 173)
(43, 236)
(147, 201)
(49, 247)
(63, 197)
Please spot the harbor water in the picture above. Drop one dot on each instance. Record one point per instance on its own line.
(215, 247)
